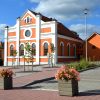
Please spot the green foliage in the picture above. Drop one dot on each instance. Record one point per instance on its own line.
(52, 47)
(29, 52)
(82, 64)
(14, 52)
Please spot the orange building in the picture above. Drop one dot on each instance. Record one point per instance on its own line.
(40, 32)
(93, 47)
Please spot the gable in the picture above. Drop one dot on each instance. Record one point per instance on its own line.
(95, 40)
(28, 18)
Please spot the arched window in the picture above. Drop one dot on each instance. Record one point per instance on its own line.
(28, 20)
(74, 49)
(45, 49)
(33, 49)
(21, 50)
(68, 49)
(11, 50)
(62, 49)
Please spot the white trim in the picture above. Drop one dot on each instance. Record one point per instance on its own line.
(17, 38)
(28, 39)
(11, 44)
(69, 38)
(61, 43)
(11, 40)
(67, 57)
(68, 44)
(43, 56)
(30, 33)
(29, 12)
(38, 30)
(5, 47)
(11, 37)
(47, 33)
(32, 43)
(45, 42)
(28, 26)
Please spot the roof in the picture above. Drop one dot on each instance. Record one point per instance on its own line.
(44, 18)
(61, 29)
(92, 35)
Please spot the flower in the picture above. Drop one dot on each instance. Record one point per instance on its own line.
(66, 73)
(6, 72)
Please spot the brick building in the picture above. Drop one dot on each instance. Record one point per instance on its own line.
(40, 31)
(93, 47)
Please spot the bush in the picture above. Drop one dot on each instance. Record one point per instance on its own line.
(81, 65)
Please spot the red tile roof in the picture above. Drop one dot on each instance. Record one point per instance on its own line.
(61, 29)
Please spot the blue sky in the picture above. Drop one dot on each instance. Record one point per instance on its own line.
(69, 12)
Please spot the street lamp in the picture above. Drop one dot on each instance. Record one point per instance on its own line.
(85, 13)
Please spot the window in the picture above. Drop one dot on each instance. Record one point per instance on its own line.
(11, 50)
(74, 48)
(68, 50)
(33, 49)
(27, 33)
(21, 50)
(28, 20)
(45, 49)
(62, 49)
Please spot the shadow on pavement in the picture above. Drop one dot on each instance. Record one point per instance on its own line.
(89, 93)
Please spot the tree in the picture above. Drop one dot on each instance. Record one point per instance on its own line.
(14, 55)
(29, 53)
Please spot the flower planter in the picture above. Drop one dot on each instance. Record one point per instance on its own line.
(6, 83)
(68, 88)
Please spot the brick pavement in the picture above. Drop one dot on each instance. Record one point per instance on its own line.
(29, 94)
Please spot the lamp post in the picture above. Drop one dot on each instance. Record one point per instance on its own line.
(85, 13)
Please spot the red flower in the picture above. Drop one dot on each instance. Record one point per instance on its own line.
(66, 73)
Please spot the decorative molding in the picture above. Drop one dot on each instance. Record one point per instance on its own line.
(45, 42)
(28, 26)
(25, 31)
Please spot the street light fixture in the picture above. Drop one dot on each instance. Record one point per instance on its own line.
(85, 13)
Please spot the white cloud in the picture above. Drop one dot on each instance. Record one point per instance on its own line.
(65, 9)
(80, 29)
(2, 26)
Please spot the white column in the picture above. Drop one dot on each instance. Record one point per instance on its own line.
(38, 28)
(6, 46)
(54, 41)
(17, 38)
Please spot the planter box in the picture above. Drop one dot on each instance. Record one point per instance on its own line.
(6, 83)
(68, 88)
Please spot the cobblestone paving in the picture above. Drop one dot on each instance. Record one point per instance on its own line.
(88, 86)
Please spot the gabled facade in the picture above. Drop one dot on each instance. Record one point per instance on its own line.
(93, 47)
(40, 32)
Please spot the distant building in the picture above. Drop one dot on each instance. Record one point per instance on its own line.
(1, 53)
(93, 47)
(40, 32)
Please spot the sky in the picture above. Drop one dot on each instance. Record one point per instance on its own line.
(68, 12)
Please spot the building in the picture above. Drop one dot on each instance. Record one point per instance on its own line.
(1, 53)
(40, 32)
(93, 47)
